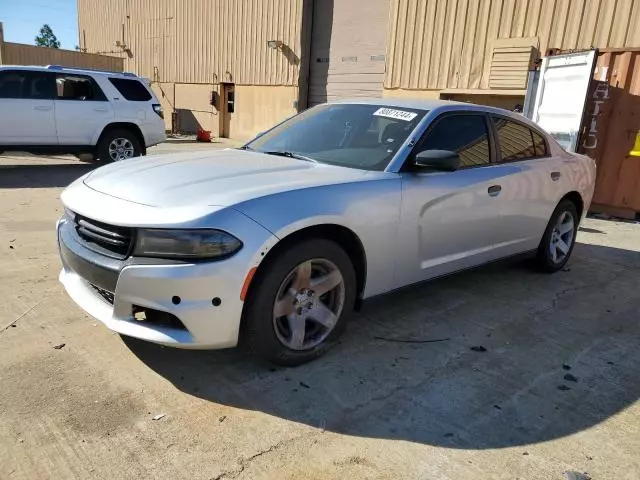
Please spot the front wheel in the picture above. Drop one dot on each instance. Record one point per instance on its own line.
(559, 238)
(116, 145)
(300, 303)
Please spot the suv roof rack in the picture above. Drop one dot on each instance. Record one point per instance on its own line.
(97, 70)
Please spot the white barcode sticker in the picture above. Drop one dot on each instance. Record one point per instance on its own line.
(397, 114)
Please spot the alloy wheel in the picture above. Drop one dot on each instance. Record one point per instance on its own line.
(120, 149)
(308, 304)
(562, 237)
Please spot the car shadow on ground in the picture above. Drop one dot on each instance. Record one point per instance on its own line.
(42, 175)
(522, 358)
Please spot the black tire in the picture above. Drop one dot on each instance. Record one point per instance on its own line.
(544, 260)
(259, 330)
(102, 149)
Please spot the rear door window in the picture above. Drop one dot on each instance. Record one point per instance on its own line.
(132, 90)
(78, 87)
(515, 140)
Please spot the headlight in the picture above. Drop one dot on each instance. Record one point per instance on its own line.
(185, 244)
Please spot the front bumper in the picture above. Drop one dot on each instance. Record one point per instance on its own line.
(152, 284)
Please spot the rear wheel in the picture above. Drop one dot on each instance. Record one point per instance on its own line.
(118, 144)
(559, 238)
(301, 303)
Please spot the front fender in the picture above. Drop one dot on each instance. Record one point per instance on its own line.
(370, 209)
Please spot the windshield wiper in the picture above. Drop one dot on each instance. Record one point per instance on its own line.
(297, 156)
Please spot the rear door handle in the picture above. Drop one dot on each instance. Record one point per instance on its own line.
(555, 176)
(97, 109)
(42, 108)
(494, 190)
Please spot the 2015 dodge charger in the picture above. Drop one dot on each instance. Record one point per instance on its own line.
(276, 242)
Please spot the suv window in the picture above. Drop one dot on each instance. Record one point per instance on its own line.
(515, 139)
(465, 134)
(76, 87)
(25, 84)
(132, 90)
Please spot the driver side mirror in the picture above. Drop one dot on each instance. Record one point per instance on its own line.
(444, 160)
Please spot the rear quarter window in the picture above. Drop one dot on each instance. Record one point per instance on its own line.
(539, 144)
(132, 90)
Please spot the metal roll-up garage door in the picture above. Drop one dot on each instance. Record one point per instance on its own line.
(348, 46)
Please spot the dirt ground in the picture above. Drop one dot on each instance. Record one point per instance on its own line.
(555, 391)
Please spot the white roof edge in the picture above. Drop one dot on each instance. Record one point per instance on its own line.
(46, 68)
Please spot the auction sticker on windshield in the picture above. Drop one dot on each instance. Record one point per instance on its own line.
(397, 114)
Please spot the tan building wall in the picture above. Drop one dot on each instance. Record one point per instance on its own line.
(257, 107)
(443, 45)
(20, 54)
(187, 48)
(198, 41)
(165, 93)
(194, 109)
(261, 107)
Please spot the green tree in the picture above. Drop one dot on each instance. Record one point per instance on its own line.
(47, 38)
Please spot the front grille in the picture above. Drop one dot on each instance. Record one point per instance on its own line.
(108, 296)
(101, 237)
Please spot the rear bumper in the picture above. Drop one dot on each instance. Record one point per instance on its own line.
(153, 132)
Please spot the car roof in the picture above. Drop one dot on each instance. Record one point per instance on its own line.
(61, 69)
(439, 105)
(419, 103)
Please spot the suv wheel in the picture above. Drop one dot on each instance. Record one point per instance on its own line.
(116, 145)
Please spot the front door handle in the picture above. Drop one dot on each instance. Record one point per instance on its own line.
(98, 109)
(494, 190)
(42, 108)
(555, 176)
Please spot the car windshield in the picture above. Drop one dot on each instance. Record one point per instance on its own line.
(350, 135)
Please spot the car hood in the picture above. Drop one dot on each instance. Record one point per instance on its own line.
(222, 178)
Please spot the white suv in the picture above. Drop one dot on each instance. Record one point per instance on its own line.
(56, 110)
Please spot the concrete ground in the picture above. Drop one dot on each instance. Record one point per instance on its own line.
(555, 391)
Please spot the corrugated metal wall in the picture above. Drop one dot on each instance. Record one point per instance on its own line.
(198, 41)
(611, 123)
(438, 44)
(19, 54)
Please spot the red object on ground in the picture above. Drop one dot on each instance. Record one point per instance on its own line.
(203, 136)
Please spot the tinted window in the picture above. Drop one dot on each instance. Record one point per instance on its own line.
(352, 135)
(29, 85)
(516, 142)
(465, 134)
(539, 144)
(131, 90)
(74, 87)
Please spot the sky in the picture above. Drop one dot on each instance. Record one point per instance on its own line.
(22, 20)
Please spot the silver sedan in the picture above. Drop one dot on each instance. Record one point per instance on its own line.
(274, 244)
